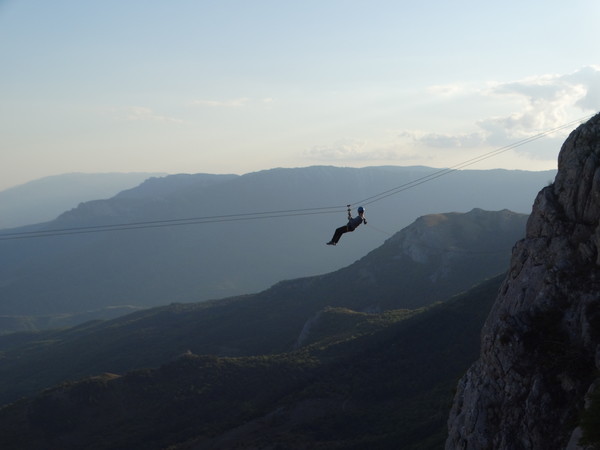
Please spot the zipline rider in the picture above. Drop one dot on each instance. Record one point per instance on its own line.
(352, 224)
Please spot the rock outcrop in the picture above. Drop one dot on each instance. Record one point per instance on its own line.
(540, 346)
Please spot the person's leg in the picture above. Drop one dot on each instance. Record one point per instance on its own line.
(338, 234)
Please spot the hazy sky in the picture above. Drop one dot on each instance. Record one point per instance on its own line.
(234, 86)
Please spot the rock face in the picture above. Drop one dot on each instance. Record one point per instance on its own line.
(540, 346)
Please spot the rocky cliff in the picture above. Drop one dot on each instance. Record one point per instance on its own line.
(540, 346)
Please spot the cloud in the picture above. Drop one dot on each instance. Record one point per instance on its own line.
(233, 103)
(441, 140)
(580, 88)
(447, 90)
(356, 150)
(342, 149)
(140, 113)
(532, 106)
(546, 102)
(539, 103)
(589, 78)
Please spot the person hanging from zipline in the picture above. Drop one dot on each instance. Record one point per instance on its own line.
(353, 222)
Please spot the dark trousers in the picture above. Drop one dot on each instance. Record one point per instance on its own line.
(338, 233)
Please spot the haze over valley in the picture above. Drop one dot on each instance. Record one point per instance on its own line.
(108, 272)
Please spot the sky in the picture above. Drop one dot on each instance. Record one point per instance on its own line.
(236, 86)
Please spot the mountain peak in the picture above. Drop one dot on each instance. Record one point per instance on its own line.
(540, 348)
(445, 235)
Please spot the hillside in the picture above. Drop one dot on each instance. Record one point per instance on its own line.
(461, 250)
(46, 198)
(364, 381)
(152, 267)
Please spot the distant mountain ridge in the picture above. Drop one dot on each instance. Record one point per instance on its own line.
(156, 187)
(189, 263)
(329, 361)
(46, 198)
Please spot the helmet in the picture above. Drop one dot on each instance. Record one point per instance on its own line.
(361, 209)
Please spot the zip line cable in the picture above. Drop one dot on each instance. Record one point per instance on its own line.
(207, 219)
(469, 162)
(168, 223)
(280, 213)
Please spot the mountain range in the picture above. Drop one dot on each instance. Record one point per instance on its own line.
(45, 279)
(367, 356)
(435, 258)
(377, 381)
(364, 357)
(46, 198)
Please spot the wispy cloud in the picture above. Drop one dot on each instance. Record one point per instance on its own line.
(232, 103)
(540, 103)
(354, 150)
(447, 90)
(141, 113)
(589, 77)
(546, 102)
(442, 140)
(534, 105)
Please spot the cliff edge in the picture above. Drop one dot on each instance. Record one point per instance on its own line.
(540, 346)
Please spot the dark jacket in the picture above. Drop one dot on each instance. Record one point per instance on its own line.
(355, 222)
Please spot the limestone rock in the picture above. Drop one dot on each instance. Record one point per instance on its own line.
(540, 346)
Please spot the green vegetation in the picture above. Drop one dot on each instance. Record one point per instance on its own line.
(359, 381)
